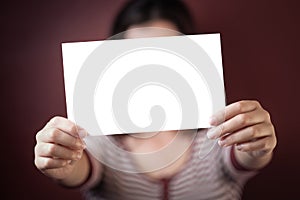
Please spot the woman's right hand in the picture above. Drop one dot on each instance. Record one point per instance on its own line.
(59, 148)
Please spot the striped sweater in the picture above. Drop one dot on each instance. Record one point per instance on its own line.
(217, 176)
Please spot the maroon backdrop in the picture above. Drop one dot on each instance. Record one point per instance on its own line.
(260, 42)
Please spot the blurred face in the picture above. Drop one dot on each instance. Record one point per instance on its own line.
(164, 28)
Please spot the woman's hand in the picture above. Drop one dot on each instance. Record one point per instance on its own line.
(246, 125)
(59, 148)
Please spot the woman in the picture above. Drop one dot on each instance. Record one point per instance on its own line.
(246, 140)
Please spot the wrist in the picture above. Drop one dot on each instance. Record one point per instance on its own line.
(79, 173)
(262, 154)
(253, 160)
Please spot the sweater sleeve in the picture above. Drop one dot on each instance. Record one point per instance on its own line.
(95, 174)
(235, 170)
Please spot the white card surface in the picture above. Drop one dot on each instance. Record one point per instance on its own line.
(143, 85)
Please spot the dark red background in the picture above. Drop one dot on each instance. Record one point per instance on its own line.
(260, 41)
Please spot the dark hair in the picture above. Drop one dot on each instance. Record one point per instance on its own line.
(140, 11)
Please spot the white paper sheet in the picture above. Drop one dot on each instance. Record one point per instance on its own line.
(94, 83)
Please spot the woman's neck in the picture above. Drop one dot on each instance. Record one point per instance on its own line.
(149, 142)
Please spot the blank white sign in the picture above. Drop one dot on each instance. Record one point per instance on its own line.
(145, 57)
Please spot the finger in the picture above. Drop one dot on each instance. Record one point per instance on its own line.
(243, 120)
(66, 126)
(238, 122)
(56, 151)
(247, 134)
(81, 132)
(54, 135)
(262, 144)
(44, 163)
(232, 110)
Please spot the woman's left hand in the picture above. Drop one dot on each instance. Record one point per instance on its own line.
(246, 125)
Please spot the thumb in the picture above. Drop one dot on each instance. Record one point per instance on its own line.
(82, 133)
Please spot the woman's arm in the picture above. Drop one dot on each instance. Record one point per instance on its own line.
(248, 127)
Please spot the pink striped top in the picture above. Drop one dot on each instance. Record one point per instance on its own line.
(217, 176)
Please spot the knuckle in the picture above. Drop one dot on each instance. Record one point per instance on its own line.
(256, 103)
(246, 147)
(72, 128)
(46, 163)
(36, 163)
(38, 136)
(238, 137)
(250, 147)
(41, 163)
(51, 149)
(39, 150)
(275, 138)
(274, 143)
(243, 119)
(264, 145)
(267, 115)
(74, 142)
(55, 120)
(239, 106)
(222, 129)
(272, 127)
(253, 132)
(54, 134)
(36, 150)
(230, 139)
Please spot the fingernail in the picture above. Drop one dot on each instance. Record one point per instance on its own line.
(221, 142)
(79, 155)
(213, 133)
(82, 133)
